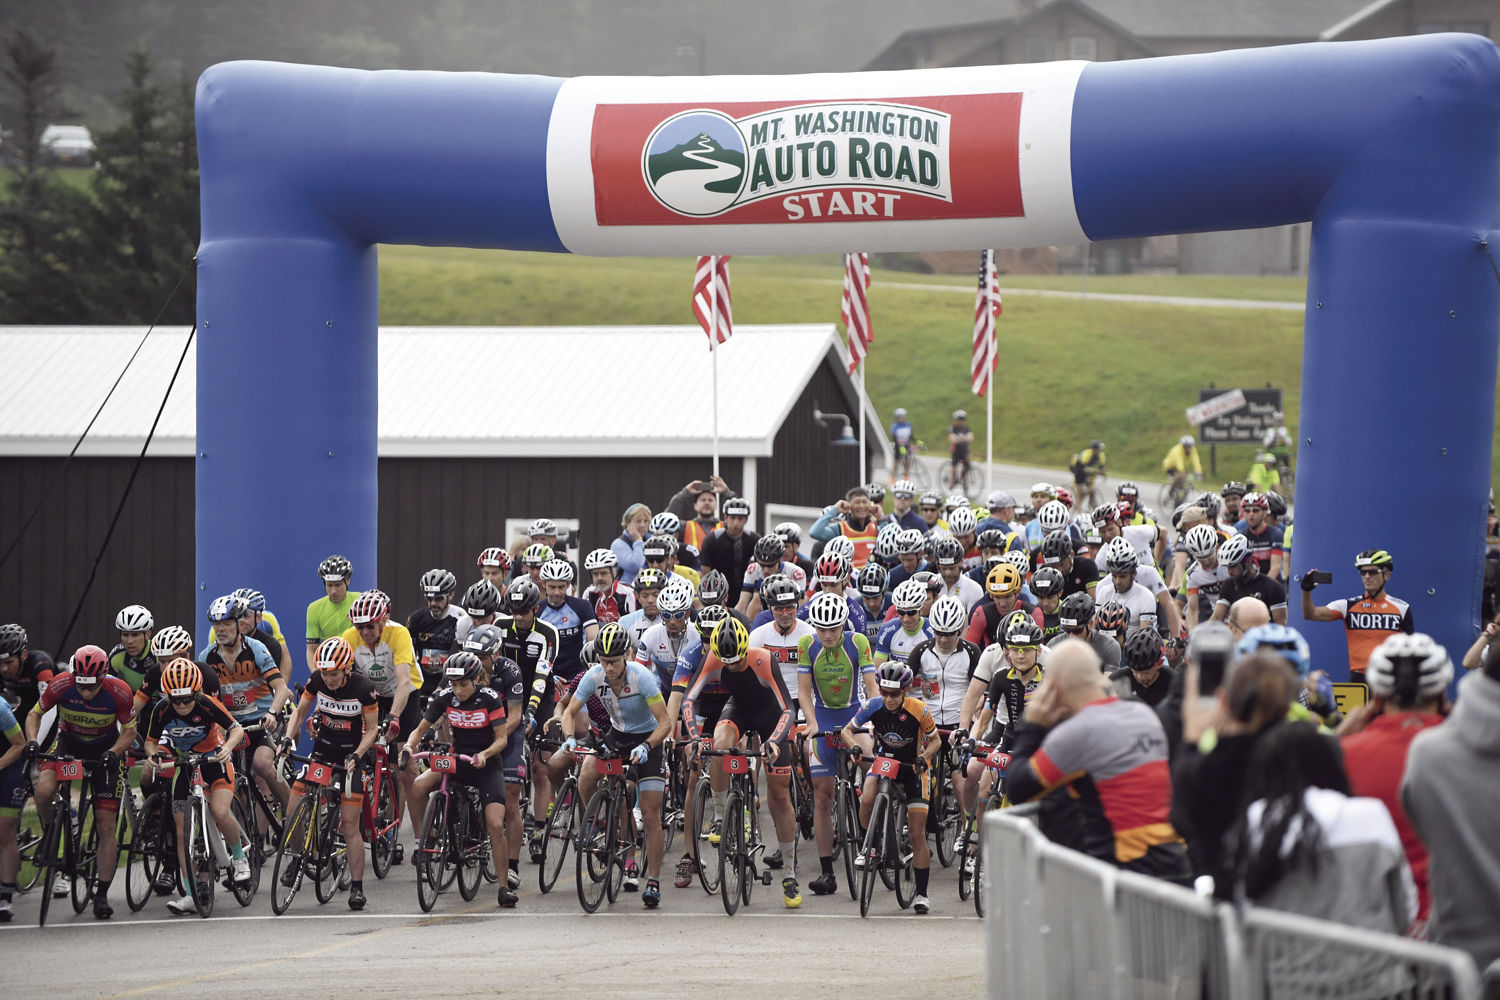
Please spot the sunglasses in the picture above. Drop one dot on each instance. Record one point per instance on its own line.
(674, 616)
(945, 635)
(1025, 649)
(788, 610)
(369, 627)
(187, 700)
(909, 614)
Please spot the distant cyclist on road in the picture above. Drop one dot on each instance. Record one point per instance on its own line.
(1182, 459)
(902, 437)
(960, 439)
(1087, 465)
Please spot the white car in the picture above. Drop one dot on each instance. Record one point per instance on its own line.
(67, 144)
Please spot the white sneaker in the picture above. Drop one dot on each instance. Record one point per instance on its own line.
(512, 878)
(919, 904)
(241, 869)
(60, 886)
(181, 905)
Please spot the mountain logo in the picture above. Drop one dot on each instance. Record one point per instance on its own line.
(694, 163)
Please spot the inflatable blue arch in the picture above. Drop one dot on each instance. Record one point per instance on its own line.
(1388, 147)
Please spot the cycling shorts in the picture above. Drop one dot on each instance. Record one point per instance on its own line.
(104, 783)
(822, 758)
(762, 724)
(513, 759)
(489, 780)
(215, 776)
(13, 788)
(648, 775)
(916, 787)
(333, 756)
(410, 715)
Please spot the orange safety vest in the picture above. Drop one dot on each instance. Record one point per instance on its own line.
(693, 533)
(863, 539)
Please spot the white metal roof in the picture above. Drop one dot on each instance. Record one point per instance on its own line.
(590, 403)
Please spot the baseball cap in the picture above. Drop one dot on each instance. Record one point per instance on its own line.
(1000, 498)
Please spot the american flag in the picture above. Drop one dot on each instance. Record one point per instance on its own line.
(986, 311)
(855, 311)
(711, 299)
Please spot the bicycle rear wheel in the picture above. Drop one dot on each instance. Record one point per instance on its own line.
(85, 851)
(143, 860)
(245, 891)
(977, 882)
(470, 837)
(846, 837)
(558, 835)
(699, 823)
(28, 841)
(971, 479)
(54, 853)
(619, 849)
(430, 858)
(965, 865)
(292, 854)
(594, 850)
(201, 868)
(383, 836)
(872, 852)
(732, 862)
(944, 819)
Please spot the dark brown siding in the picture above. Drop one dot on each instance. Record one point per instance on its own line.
(149, 560)
(805, 467)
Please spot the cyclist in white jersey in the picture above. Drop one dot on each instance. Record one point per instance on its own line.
(1139, 588)
(662, 643)
(1205, 575)
(648, 586)
(780, 635)
(908, 630)
(1147, 539)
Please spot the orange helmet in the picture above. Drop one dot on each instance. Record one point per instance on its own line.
(181, 677)
(335, 654)
(1003, 580)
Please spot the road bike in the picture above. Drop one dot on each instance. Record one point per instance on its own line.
(740, 845)
(1175, 492)
(310, 844)
(68, 848)
(606, 830)
(847, 833)
(455, 839)
(700, 822)
(886, 850)
(151, 858)
(208, 856)
(380, 813)
(265, 810)
(946, 815)
(961, 475)
(561, 830)
(970, 853)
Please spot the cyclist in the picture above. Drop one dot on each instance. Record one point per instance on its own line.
(480, 605)
(1246, 580)
(1047, 586)
(250, 686)
(189, 721)
(949, 556)
(345, 711)
(833, 578)
(502, 675)
(639, 726)
(930, 510)
(1276, 440)
(1148, 540)
(903, 493)
(1079, 575)
(1145, 675)
(1139, 588)
(961, 525)
(533, 558)
(476, 716)
(1265, 538)
(24, 672)
(1232, 493)
(712, 590)
(611, 599)
(494, 565)
(782, 635)
(434, 629)
(1205, 576)
(942, 666)
(1085, 466)
(1263, 477)
(664, 643)
(648, 586)
(96, 723)
(769, 559)
(1003, 590)
(835, 673)
(533, 644)
(903, 439)
(1075, 619)
(1369, 618)
(855, 517)
(261, 625)
(661, 551)
(758, 704)
(572, 617)
(910, 551)
(898, 636)
(960, 440)
(383, 654)
(1182, 460)
(904, 729)
(870, 582)
(131, 658)
(328, 616)
(791, 537)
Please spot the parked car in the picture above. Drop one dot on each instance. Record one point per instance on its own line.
(70, 145)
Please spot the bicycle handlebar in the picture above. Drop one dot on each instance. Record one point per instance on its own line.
(424, 754)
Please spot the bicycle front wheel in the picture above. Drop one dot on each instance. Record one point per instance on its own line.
(471, 849)
(245, 891)
(85, 842)
(386, 826)
(293, 853)
(53, 853)
(872, 852)
(330, 862)
(594, 850)
(732, 848)
(971, 479)
(201, 868)
(558, 835)
(698, 827)
(847, 838)
(899, 841)
(431, 858)
(976, 884)
(143, 860)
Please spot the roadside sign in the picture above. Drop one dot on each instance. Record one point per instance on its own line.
(1349, 695)
(1234, 415)
(1225, 403)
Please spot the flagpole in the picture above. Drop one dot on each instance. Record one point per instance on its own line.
(863, 478)
(713, 272)
(989, 437)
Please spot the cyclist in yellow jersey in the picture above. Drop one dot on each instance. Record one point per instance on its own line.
(1182, 459)
(383, 653)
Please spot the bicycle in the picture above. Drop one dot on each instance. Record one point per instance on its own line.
(1095, 487)
(674, 796)
(153, 847)
(921, 476)
(801, 788)
(69, 845)
(972, 881)
(310, 842)
(254, 800)
(605, 844)
(561, 829)
(380, 813)
(847, 834)
(699, 823)
(968, 478)
(1176, 491)
(739, 835)
(946, 814)
(454, 838)
(207, 856)
(887, 843)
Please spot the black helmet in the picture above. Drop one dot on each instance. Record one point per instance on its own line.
(871, 580)
(991, 538)
(335, 568)
(462, 665)
(877, 493)
(1076, 610)
(1235, 487)
(1022, 630)
(522, 595)
(1047, 581)
(713, 588)
(769, 549)
(1142, 649)
(1056, 547)
(780, 593)
(948, 551)
(13, 640)
(437, 582)
(1275, 504)
(481, 599)
(710, 616)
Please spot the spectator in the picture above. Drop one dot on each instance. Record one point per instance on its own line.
(729, 549)
(853, 517)
(1452, 794)
(1245, 614)
(629, 548)
(697, 505)
(1002, 508)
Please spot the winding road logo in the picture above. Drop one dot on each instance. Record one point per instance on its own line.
(695, 163)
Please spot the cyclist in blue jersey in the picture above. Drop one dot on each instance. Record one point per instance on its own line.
(871, 584)
(573, 617)
(648, 585)
(908, 629)
(904, 440)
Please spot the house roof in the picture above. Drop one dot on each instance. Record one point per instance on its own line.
(59, 376)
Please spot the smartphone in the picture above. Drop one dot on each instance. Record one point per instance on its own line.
(1320, 576)
(1212, 656)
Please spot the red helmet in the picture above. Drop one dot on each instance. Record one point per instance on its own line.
(1254, 501)
(494, 556)
(90, 661)
(833, 568)
(1065, 497)
(371, 606)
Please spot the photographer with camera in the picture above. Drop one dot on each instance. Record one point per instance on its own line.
(1368, 619)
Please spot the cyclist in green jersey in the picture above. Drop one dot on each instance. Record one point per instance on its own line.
(328, 616)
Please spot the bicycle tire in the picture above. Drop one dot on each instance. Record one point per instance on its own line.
(85, 851)
(470, 861)
(965, 849)
(202, 870)
(971, 479)
(751, 828)
(619, 850)
(557, 835)
(976, 887)
(326, 885)
(947, 814)
(382, 834)
(847, 836)
(144, 860)
(54, 840)
(292, 854)
(802, 797)
(428, 860)
(28, 873)
(872, 851)
(594, 848)
(244, 892)
(703, 804)
(732, 868)
(899, 842)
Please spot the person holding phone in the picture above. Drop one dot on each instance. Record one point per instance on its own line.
(1368, 619)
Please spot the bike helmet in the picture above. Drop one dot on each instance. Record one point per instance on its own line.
(335, 568)
(1186, 441)
(736, 507)
(1112, 616)
(1127, 491)
(1065, 497)
(1233, 488)
(1276, 504)
(1234, 550)
(839, 545)
(1120, 556)
(13, 640)
(371, 606)
(496, 557)
(990, 538)
(1053, 516)
(1056, 547)
(481, 600)
(1142, 648)
(1284, 640)
(947, 616)
(666, 523)
(909, 595)
(227, 609)
(877, 493)
(181, 678)
(676, 597)
(1022, 630)
(769, 550)
(1047, 581)
(714, 588)
(782, 593)
(884, 552)
(334, 654)
(710, 616)
(589, 654)
(1213, 505)
(612, 641)
(827, 610)
(1201, 541)
(947, 551)
(600, 559)
(909, 542)
(730, 641)
(1044, 490)
(1015, 557)
(667, 540)
(1254, 501)
(1105, 513)
(962, 521)
(832, 568)
(1003, 581)
(463, 666)
(483, 640)
(1076, 610)
(931, 498)
(90, 662)
(650, 578)
(954, 501)
(871, 580)
(1408, 668)
(254, 598)
(1374, 559)
(522, 595)
(904, 489)
(930, 580)
(790, 532)
(536, 554)
(135, 618)
(542, 526)
(557, 570)
(437, 582)
(893, 675)
(169, 641)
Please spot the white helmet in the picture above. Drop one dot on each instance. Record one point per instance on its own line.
(676, 596)
(1233, 550)
(600, 559)
(961, 521)
(839, 545)
(1427, 662)
(170, 640)
(557, 569)
(1186, 441)
(947, 615)
(1201, 541)
(909, 595)
(134, 619)
(1046, 488)
(904, 488)
(910, 542)
(1120, 556)
(1053, 515)
(1019, 559)
(828, 610)
(954, 501)
(542, 526)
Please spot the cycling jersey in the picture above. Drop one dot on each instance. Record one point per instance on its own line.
(533, 649)
(384, 665)
(1368, 622)
(150, 691)
(432, 639)
(901, 433)
(23, 691)
(598, 714)
(1180, 460)
(688, 573)
(910, 519)
(1151, 694)
(1142, 538)
(838, 673)
(270, 624)
(611, 605)
(785, 648)
(1137, 599)
(326, 619)
(875, 617)
(13, 775)
(1203, 585)
(899, 734)
(687, 671)
(1105, 645)
(570, 619)
(130, 669)
(756, 691)
(1264, 544)
(201, 730)
(630, 708)
(636, 623)
(960, 449)
(987, 620)
(472, 720)
(89, 725)
(1008, 695)
(966, 590)
(340, 716)
(1261, 586)
(754, 576)
(660, 651)
(942, 679)
(245, 683)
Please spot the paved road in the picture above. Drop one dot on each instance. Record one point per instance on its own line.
(392, 949)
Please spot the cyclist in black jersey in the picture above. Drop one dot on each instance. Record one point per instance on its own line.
(434, 629)
(533, 644)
